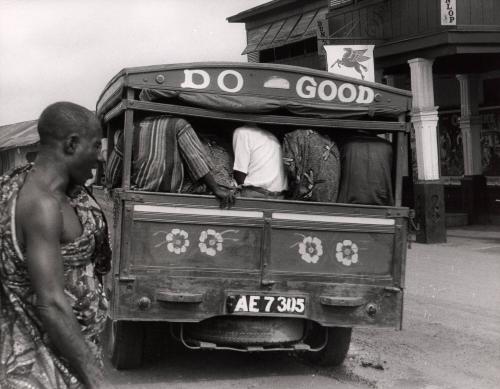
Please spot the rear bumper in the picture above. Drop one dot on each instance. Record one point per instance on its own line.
(184, 300)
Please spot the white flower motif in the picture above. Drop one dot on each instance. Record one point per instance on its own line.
(210, 242)
(177, 241)
(310, 249)
(347, 252)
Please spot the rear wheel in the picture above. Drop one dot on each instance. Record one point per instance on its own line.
(125, 344)
(336, 348)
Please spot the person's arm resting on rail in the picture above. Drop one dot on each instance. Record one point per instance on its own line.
(224, 195)
(199, 164)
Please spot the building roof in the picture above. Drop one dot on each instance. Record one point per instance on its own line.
(280, 22)
(18, 135)
(260, 9)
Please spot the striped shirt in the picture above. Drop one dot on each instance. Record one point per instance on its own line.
(162, 146)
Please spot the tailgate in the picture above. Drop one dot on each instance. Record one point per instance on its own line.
(181, 259)
(325, 245)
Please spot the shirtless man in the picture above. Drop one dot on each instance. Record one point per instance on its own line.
(52, 302)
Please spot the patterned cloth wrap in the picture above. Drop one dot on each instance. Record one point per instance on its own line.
(221, 159)
(27, 357)
(164, 149)
(312, 163)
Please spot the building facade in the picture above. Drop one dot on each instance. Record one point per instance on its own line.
(447, 52)
(18, 144)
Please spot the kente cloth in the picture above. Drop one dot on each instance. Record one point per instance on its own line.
(312, 163)
(222, 160)
(28, 359)
(162, 147)
(366, 176)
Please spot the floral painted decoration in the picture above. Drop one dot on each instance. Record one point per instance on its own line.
(177, 240)
(210, 242)
(310, 249)
(347, 252)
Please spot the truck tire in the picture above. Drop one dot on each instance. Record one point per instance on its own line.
(125, 344)
(335, 351)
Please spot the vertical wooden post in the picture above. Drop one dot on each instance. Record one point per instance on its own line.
(474, 188)
(400, 142)
(127, 140)
(429, 190)
(110, 134)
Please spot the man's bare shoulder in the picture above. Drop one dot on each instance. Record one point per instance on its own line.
(37, 206)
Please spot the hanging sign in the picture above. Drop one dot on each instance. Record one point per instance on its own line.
(448, 13)
(322, 34)
(351, 60)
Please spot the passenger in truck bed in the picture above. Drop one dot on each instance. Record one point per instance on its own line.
(258, 164)
(164, 148)
(312, 164)
(366, 170)
(221, 155)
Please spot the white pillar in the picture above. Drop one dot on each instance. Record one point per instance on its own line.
(424, 117)
(470, 123)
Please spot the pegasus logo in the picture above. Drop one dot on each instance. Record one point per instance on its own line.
(352, 59)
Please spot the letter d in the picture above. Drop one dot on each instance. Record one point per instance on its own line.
(366, 95)
(189, 82)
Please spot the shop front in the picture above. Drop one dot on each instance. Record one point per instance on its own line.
(447, 52)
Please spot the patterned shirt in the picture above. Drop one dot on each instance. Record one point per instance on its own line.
(312, 163)
(162, 147)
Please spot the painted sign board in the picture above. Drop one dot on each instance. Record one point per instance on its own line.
(304, 87)
(448, 13)
(351, 60)
(255, 89)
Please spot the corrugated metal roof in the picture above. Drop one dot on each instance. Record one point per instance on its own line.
(285, 31)
(254, 38)
(259, 10)
(18, 135)
(271, 34)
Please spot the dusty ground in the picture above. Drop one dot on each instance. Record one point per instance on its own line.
(451, 335)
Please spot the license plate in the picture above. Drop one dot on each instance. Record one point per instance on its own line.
(248, 303)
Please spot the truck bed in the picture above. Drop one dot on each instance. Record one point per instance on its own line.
(182, 259)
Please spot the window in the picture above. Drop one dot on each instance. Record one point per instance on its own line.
(491, 86)
(291, 50)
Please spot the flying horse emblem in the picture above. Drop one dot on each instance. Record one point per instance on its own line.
(352, 59)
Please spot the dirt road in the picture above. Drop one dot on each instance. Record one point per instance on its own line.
(451, 335)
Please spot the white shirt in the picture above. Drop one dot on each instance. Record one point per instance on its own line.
(257, 153)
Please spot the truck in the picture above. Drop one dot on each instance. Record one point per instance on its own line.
(267, 274)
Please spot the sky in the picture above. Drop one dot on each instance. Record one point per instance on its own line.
(67, 50)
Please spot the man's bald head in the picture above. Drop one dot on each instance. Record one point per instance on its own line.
(61, 119)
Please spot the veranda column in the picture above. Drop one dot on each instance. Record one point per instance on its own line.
(429, 191)
(473, 182)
